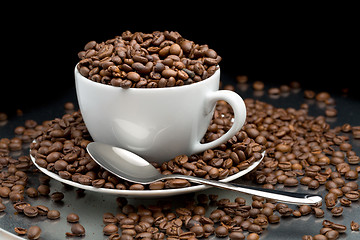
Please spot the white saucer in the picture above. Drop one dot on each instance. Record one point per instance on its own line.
(145, 193)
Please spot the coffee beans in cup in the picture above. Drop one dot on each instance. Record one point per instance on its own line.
(147, 60)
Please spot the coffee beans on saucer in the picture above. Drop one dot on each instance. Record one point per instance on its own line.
(147, 60)
(61, 148)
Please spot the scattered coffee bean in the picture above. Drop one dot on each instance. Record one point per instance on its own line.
(319, 213)
(30, 211)
(320, 237)
(34, 232)
(236, 235)
(258, 86)
(20, 230)
(354, 226)
(57, 196)
(53, 214)
(253, 236)
(307, 237)
(337, 211)
(110, 229)
(221, 231)
(322, 96)
(72, 218)
(77, 230)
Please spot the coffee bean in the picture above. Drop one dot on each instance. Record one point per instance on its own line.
(352, 195)
(313, 184)
(20, 230)
(322, 96)
(258, 85)
(198, 230)
(291, 182)
(110, 229)
(305, 209)
(274, 218)
(354, 226)
(30, 211)
(53, 214)
(337, 211)
(253, 236)
(330, 112)
(320, 237)
(77, 230)
(34, 232)
(236, 235)
(43, 190)
(307, 237)
(57, 196)
(332, 235)
(274, 91)
(319, 213)
(221, 231)
(72, 218)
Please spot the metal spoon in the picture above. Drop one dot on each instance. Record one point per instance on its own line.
(133, 168)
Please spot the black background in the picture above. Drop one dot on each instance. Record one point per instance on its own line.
(318, 48)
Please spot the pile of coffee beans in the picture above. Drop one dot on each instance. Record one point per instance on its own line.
(61, 148)
(147, 60)
(300, 150)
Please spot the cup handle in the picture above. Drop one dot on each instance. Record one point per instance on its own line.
(239, 109)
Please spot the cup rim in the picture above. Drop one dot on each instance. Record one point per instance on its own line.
(203, 82)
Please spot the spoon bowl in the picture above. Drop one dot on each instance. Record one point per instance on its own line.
(133, 168)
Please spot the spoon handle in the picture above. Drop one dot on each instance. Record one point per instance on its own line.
(281, 196)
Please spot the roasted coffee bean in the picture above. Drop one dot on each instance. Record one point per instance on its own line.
(274, 218)
(285, 211)
(42, 210)
(305, 209)
(53, 214)
(221, 231)
(198, 230)
(77, 230)
(313, 184)
(72, 218)
(291, 182)
(57, 196)
(30, 211)
(20, 230)
(258, 85)
(332, 235)
(4, 192)
(32, 192)
(354, 226)
(318, 212)
(110, 229)
(43, 190)
(320, 237)
(337, 211)
(253, 236)
(307, 237)
(34, 232)
(236, 235)
(352, 195)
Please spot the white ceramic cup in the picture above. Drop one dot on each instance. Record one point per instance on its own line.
(158, 123)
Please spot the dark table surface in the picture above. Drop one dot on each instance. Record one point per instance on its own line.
(91, 206)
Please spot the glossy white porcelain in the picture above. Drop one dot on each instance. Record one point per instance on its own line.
(159, 123)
